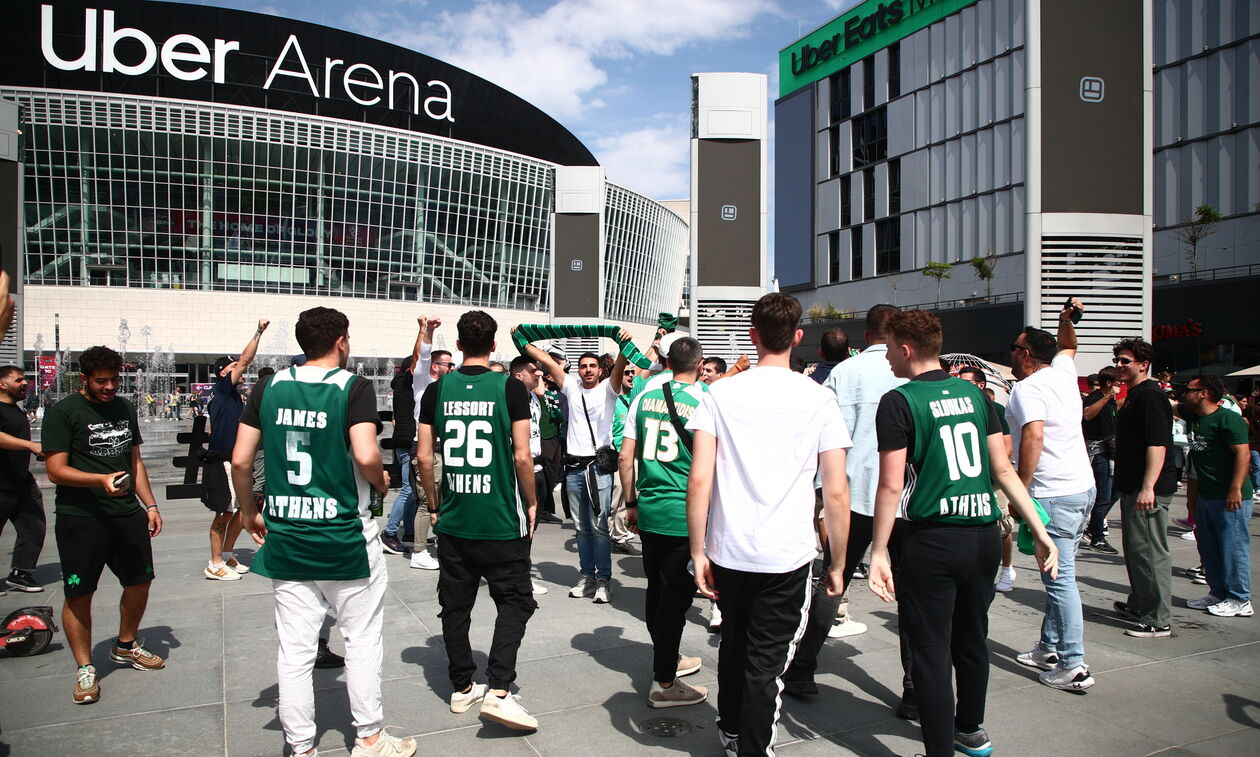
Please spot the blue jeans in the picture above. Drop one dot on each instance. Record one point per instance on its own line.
(403, 511)
(1104, 499)
(1063, 629)
(1225, 547)
(594, 546)
(1255, 470)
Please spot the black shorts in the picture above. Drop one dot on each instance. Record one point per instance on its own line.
(88, 544)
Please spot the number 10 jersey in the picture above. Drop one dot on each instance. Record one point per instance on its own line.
(480, 496)
(947, 476)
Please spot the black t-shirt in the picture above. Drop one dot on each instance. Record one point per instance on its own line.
(894, 425)
(404, 410)
(1144, 421)
(15, 464)
(823, 370)
(1102, 425)
(225, 414)
(517, 396)
(360, 405)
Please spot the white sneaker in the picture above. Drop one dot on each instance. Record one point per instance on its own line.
(236, 566)
(715, 617)
(1188, 536)
(508, 711)
(1038, 657)
(679, 694)
(422, 560)
(538, 588)
(585, 588)
(1067, 679)
(1231, 608)
(463, 701)
(1006, 579)
(603, 592)
(846, 629)
(385, 746)
(688, 666)
(220, 572)
(1204, 602)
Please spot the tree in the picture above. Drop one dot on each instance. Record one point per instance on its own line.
(938, 271)
(985, 266)
(1193, 231)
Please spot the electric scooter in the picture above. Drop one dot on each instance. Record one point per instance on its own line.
(28, 631)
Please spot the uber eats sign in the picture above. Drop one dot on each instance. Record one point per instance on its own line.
(871, 26)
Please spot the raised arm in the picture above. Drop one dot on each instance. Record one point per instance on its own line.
(545, 361)
(1067, 331)
(422, 352)
(619, 364)
(247, 354)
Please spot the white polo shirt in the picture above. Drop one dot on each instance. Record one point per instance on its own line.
(771, 424)
(1051, 395)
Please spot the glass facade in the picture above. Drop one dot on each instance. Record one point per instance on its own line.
(151, 193)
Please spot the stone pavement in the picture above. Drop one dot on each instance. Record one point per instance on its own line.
(585, 670)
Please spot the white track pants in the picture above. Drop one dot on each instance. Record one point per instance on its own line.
(359, 609)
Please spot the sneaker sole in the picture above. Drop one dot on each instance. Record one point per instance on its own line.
(1035, 664)
(458, 710)
(391, 551)
(982, 752)
(1149, 635)
(689, 671)
(233, 577)
(1232, 614)
(27, 589)
(502, 720)
(89, 699)
(132, 663)
(664, 703)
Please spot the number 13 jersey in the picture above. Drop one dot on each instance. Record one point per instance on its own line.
(947, 471)
(480, 496)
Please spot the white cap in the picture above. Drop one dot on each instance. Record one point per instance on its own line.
(666, 342)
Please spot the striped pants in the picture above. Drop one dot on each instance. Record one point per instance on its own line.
(763, 618)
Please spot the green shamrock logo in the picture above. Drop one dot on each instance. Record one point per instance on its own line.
(73, 580)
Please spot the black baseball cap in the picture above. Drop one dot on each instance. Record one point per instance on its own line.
(221, 363)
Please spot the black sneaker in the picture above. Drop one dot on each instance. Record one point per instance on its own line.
(548, 518)
(800, 688)
(1101, 545)
(391, 544)
(20, 580)
(624, 548)
(326, 658)
(908, 707)
(1124, 610)
(862, 570)
(1197, 576)
(975, 744)
(1143, 631)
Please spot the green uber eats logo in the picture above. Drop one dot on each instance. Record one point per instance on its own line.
(73, 580)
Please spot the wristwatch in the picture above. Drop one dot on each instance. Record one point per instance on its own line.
(631, 504)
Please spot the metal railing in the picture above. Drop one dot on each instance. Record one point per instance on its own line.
(1210, 274)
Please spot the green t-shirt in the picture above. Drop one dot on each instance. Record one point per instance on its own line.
(551, 418)
(621, 406)
(947, 473)
(480, 496)
(99, 437)
(662, 460)
(1212, 438)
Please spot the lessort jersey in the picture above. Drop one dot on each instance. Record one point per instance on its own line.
(316, 507)
(661, 459)
(947, 476)
(480, 497)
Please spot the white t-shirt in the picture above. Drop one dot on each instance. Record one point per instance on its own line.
(599, 406)
(1051, 395)
(771, 424)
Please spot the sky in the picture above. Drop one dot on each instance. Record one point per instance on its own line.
(616, 73)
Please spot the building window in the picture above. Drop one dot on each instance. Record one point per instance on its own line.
(894, 70)
(868, 194)
(870, 137)
(833, 146)
(888, 246)
(833, 257)
(855, 250)
(846, 200)
(868, 82)
(841, 95)
(894, 187)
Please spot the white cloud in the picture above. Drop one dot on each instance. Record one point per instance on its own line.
(654, 161)
(557, 58)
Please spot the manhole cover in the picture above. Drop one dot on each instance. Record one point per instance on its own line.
(666, 728)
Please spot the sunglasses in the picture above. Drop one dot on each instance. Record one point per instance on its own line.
(628, 373)
(1122, 360)
(1014, 347)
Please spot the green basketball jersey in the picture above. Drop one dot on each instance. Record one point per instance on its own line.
(316, 506)
(480, 497)
(947, 477)
(662, 460)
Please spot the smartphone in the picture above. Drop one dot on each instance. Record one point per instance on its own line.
(122, 480)
(1076, 312)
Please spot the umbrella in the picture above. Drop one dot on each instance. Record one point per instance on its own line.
(1252, 371)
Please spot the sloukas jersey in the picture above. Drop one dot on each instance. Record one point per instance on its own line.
(947, 476)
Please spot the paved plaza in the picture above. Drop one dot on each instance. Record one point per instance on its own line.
(585, 669)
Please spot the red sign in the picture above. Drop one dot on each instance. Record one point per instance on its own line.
(47, 368)
(1191, 328)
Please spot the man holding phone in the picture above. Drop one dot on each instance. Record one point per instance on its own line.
(105, 513)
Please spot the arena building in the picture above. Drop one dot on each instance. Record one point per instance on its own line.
(191, 169)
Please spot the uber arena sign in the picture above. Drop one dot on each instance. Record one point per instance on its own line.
(189, 58)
